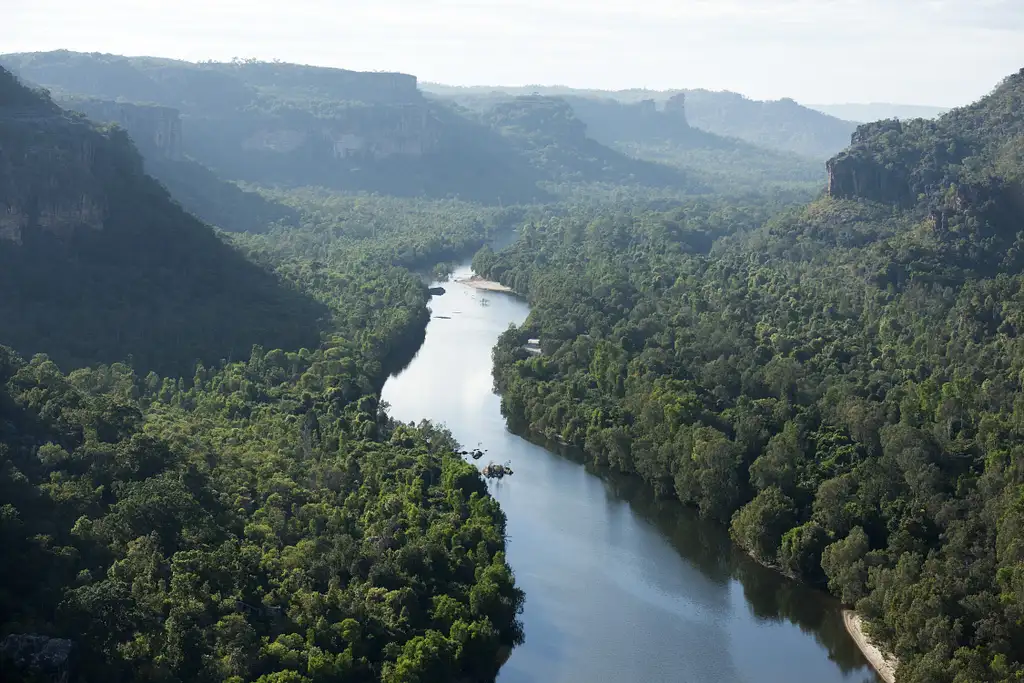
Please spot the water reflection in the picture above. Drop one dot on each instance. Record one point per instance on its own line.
(619, 586)
(706, 546)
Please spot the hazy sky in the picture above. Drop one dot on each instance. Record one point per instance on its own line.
(940, 52)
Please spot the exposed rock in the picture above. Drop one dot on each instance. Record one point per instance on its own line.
(155, 130)
(12, 223)
(495, 471)
(29, 657)
(63, 215)
(676, 105)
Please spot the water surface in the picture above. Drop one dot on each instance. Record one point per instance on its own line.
(619, 587)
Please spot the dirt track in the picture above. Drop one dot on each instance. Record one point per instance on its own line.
(885, 666)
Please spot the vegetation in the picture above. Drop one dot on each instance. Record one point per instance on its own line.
(781, 125)
(98, 264)
(841, 382)
(256, 519)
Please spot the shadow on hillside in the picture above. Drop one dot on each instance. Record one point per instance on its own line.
(155, 287)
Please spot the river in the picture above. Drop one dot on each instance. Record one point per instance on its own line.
(619, 587)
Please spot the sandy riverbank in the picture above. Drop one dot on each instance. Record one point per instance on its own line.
(477, 282)
(885, 666)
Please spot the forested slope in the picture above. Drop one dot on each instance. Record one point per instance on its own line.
(841, 382)
(98, 264)
(254, 519)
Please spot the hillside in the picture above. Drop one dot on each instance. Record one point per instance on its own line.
(664, 133)
(961, 175)
(876, 111)
(292, 125)
(157, 133)
(841, 383)
(781, 125)
(253, 514)
(555, 140)
(98, 264)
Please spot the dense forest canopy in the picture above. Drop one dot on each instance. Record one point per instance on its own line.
(841, 383)
(198, 481)
(255, 519)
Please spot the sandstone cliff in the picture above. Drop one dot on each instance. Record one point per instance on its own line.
(55, 167)
(155, 130)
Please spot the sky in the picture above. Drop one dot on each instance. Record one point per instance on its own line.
(933, 52)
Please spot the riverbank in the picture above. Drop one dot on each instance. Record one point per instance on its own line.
(677, 601)
(885, 666)
(477, 282)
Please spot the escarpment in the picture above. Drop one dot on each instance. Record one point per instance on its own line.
(155, 130)
(55, 166)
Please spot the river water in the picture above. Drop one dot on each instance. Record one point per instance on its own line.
(619, 587)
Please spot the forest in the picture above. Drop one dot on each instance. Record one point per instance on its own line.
(258, 516)
(840, 383)
(198, 481)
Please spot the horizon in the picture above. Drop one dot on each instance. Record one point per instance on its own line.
(497, 86)
(834, 52)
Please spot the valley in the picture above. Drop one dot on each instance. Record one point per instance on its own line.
(752, 365)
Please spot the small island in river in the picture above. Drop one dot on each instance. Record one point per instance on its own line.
(477, 282)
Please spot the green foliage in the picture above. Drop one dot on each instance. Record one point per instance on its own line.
(843, 381)
(255, 524)
(98, 264)
(760, 524)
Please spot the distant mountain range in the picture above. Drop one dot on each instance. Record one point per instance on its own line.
(877, 111)
(781, 125)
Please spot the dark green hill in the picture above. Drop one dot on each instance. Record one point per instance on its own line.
(157, 133)
(961, 174)
(98, 264)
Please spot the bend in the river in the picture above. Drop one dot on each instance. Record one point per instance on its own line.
(619, 586)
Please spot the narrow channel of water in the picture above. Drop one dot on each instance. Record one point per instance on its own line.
(620, 588)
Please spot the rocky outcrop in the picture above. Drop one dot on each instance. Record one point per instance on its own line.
(676, 105)
(32, 658)
(370, 133)
(155, 130)
(874, 167)
(851, 176)
(56, 168)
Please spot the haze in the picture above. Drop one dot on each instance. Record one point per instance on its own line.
(937, 52)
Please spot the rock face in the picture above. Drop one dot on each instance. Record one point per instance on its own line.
(233, 113)
(26, 657)
(155, 130)
(677, 105)
(875, 166)
(55, 167)
(851, 176)
(371, 133)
